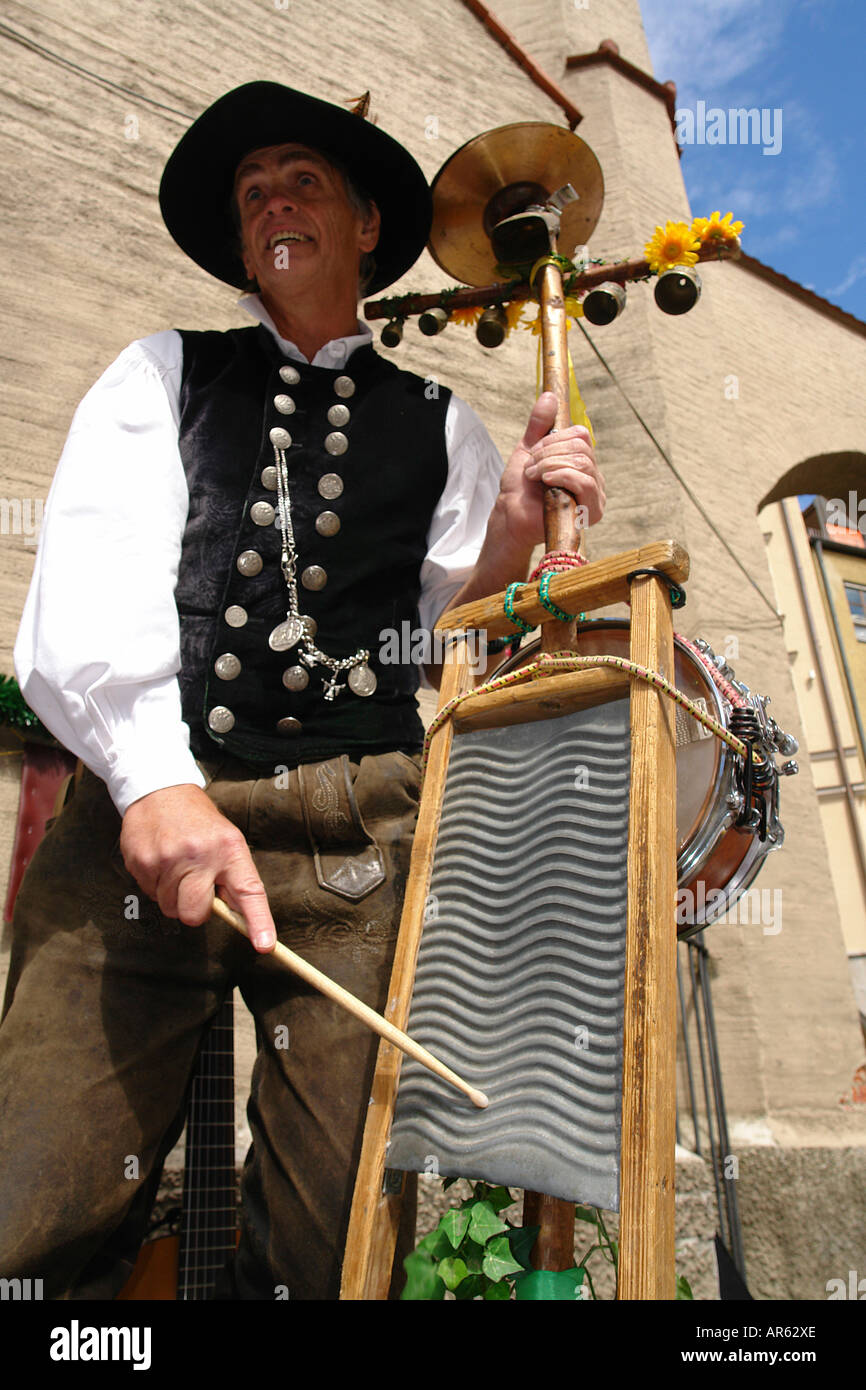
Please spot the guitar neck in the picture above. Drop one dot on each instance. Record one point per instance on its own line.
(209, 1198)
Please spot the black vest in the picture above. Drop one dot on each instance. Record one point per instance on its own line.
(393, 473)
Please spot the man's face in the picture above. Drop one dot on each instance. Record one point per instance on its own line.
(298, 225)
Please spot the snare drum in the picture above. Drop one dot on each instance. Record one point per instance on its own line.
(716, 860)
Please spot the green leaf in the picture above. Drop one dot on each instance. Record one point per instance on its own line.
(435, 1246)
(498, 1259)
(448, 1182)
(455, 1224)
(452, 1271)
(586, 1214)
(473, 1254)
(521, 1240)
(485, 1223)
(497, 1291)
(471, 1287)
(499, 1198)
(684, 1288)
(422, 1282)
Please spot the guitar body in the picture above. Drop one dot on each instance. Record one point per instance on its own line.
(186, 1266)
(154, 1277)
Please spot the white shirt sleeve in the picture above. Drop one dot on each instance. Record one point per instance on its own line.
(459, 522)
(98, 649)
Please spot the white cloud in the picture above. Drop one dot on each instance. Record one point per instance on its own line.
(805, 179)
(748, 198)
(704, 45)
(856, 271)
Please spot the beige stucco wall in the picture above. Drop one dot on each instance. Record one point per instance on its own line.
(92, 268)
(842, 569)
(824, 705)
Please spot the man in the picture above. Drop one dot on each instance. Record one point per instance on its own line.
(235, 519)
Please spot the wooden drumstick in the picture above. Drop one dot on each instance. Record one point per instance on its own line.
(356, 1007)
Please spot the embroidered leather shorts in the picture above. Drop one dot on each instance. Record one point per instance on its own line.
(106, 1008)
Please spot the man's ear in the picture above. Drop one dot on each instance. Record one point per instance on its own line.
(370, 228)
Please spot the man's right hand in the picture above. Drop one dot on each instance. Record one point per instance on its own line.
(179, 848)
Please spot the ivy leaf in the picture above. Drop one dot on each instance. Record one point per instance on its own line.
(499, 1198)
(473, 1254)
(448, 1182)
(470, 1287)
(522, 1239)
(422, 1282)
(452, 1271)
(485, 1223)
(434, 1246)
(497, 1291)
(684, 1288)
(454, 1224)
(586, 1214)
(498, 1259)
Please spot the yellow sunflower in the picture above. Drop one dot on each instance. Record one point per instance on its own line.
(676, 245)
(467, 317)
(514, 312)
(573, 308)
(716, 230)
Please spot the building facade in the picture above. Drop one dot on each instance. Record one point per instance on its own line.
(759, 380)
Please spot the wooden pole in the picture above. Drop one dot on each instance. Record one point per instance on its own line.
(554, 1247)
(647, 1171)
(375, 1215)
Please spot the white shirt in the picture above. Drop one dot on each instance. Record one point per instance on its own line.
(98, 650)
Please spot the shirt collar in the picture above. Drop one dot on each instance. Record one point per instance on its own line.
(334, 354)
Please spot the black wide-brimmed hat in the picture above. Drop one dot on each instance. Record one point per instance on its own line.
(197, 186)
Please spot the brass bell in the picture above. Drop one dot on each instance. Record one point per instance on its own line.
(392, 333)
(492, 326)
(432, 321)
(678, 290)
(604, 303)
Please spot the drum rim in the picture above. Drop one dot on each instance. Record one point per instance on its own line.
(741, 880)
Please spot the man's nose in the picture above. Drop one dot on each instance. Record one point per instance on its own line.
(282, 200)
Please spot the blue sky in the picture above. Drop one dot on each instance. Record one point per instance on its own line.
(804, 208)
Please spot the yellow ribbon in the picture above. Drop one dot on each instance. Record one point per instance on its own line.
(577, 409)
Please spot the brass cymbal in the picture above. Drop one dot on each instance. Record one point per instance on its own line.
(499, 173)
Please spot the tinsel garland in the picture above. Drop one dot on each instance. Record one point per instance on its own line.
(15, 711)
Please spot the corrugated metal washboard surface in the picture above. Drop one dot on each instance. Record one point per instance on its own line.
(521, 969)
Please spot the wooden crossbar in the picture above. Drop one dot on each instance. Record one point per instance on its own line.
(546, 697)
(592, 586)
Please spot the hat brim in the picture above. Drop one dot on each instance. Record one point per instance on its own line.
(197, 186)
